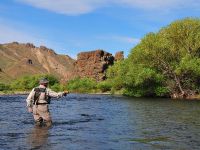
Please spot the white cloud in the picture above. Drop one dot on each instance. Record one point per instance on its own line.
(121, 39)
(69, 7)
(77, 7)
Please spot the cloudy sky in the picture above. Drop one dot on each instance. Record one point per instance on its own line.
(70, 27)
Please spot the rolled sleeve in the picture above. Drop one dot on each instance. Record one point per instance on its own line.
(55, 94)
(30, 98)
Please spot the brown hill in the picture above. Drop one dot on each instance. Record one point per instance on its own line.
(17, 60)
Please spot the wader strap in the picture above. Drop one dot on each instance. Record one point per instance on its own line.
(38, 92)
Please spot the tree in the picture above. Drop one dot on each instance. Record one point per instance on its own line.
(166, 61)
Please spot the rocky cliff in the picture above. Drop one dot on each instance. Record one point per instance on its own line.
(93, 64)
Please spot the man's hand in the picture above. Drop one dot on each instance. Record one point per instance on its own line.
(65, 93)
(30, 109)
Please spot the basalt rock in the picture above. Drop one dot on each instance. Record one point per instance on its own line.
(119, 56)
(15, 43)
(30, 45)
(93, 64)
(44, 48)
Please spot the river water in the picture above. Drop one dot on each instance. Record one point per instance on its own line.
(102, 122)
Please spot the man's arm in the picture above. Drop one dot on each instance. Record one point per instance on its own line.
(30, 99)
(51, 93)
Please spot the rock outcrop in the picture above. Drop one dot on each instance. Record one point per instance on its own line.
(30, 45)
(93, 64)
(119, 56)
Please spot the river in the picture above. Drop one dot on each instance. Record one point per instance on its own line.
(102, 122)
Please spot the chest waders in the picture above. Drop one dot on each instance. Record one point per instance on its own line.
(38, 92)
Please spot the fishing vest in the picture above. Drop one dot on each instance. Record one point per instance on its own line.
(41, 96)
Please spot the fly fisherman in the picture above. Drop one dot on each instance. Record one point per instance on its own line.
(38, 100)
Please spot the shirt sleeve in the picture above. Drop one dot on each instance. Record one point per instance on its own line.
(30, 98)
(51, 93)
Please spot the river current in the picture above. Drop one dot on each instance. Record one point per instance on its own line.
(102, 122)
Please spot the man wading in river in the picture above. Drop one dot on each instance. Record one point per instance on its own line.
(38, 100)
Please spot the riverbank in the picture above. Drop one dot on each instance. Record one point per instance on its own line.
(27, 92)
(14, 92)
(8, 93)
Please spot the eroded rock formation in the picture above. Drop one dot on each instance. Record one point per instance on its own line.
(119, 56)
(93, 64)
(30, 45)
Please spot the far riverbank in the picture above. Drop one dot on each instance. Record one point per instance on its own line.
(9, 93)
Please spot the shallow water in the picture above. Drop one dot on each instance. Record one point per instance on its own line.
(100, 122)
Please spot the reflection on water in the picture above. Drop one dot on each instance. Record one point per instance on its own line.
(38, 136)
(103, 123)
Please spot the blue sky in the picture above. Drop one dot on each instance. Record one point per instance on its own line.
(70, 27)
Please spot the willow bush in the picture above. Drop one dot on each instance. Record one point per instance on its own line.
(163, 63)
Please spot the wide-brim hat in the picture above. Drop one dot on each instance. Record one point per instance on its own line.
(44, 81)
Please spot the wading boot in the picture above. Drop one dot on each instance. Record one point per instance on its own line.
(39, 122)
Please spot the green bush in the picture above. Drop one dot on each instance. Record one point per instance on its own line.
(4, 87)
(57, 87)
(116, 73)
(52, 79)
(162, 91)
(29, 82)
(84, 85)
(104, 86)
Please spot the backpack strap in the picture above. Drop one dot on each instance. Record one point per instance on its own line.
(38, 92)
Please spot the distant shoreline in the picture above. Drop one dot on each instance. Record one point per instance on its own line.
(7, 93)
(12, 93)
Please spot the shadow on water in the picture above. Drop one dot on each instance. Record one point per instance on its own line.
(85, 118)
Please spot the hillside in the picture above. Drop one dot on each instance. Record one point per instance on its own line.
(17, 60)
